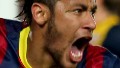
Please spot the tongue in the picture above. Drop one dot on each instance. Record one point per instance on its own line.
(75, 54)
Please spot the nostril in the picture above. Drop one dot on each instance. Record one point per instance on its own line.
(89, 29)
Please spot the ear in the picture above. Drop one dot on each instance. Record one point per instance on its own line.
(40, 13)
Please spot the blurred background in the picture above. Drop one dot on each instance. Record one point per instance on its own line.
(9, 9)
(107, 32)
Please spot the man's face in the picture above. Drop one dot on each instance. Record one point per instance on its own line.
(70, 31)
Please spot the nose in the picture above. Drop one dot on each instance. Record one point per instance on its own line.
(89, 22)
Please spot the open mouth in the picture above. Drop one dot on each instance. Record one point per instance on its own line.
(77, 49)
(80, 43)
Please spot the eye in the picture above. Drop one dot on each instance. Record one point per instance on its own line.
(78, 11)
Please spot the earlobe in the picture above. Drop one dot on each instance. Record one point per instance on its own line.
(40, 13)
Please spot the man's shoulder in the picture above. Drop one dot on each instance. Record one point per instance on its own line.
(94, 48)
(10, 31)
(103, 57)
(3, 20)
(10, 25)
(9, 43)
(99, 50)
(99, 57)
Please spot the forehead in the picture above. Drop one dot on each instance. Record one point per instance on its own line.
(84, 2)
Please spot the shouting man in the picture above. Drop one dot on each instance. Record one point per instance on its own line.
(54, 34)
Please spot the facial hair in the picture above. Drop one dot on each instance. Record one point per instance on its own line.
(52, 36)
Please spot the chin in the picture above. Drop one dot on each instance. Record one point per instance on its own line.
(69, 64)
(66, 62)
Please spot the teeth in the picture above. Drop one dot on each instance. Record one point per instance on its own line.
(76, 55)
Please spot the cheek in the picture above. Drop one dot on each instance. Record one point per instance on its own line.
(66, 24)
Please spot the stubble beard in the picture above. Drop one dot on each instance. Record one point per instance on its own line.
(52, 36)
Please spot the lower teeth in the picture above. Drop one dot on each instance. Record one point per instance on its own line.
(76, 55)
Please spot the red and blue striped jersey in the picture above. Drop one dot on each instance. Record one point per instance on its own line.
(9, 41)
(94, 56)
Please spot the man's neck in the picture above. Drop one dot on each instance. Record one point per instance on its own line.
(36, 55)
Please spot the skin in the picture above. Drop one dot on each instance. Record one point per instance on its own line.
(52, 37)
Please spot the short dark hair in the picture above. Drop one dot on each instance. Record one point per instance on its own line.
(26, 8)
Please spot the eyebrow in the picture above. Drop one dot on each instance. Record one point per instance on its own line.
(84, 7)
